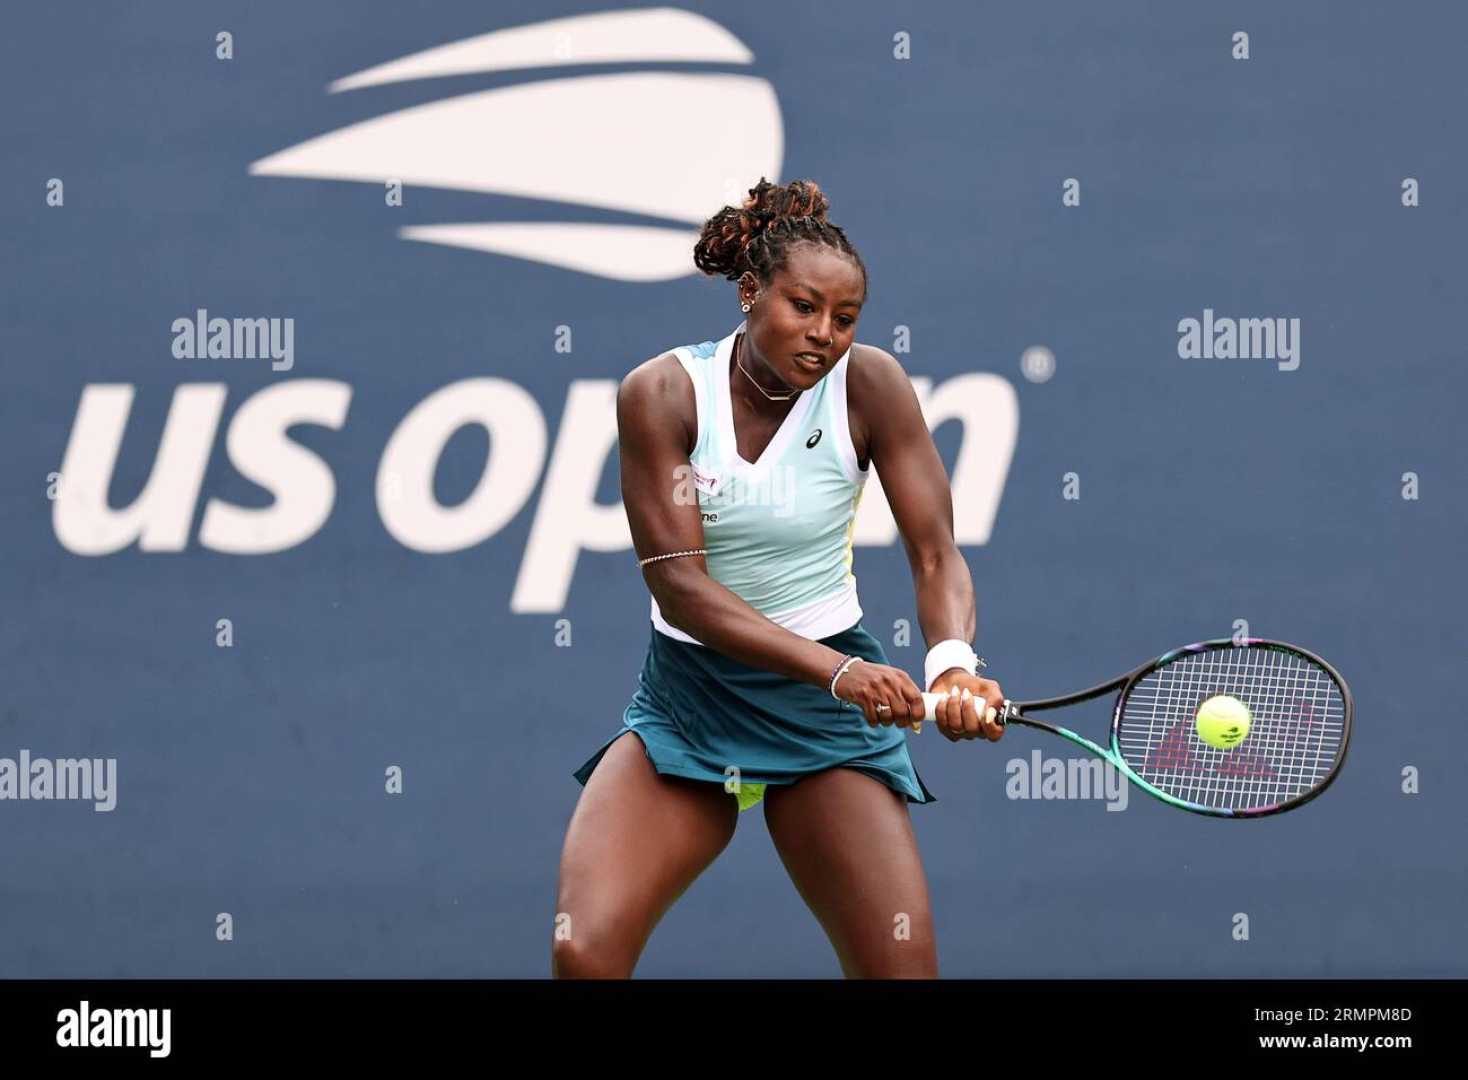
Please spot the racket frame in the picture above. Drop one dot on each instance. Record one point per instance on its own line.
(1015, 712)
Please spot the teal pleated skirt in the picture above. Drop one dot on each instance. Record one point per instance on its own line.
(704, 716)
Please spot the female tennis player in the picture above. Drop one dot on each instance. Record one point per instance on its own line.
(743, 461)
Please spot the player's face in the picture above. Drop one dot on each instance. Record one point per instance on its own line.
(810, 307)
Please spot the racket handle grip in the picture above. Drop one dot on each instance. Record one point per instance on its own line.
(932, 700)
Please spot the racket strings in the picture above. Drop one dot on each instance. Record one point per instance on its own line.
(1295, 737)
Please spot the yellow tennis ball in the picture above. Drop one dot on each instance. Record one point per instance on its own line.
(1223, 721)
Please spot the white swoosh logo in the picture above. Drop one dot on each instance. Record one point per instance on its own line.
(607, 37)
(662, 144)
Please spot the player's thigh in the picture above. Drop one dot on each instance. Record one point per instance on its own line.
(635, 843)
(847, 842)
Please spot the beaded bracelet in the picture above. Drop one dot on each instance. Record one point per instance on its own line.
(846, 662)
(672, 555)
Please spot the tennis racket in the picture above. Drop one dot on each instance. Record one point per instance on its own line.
(1300, 713)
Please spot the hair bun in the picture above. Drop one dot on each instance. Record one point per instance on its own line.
(797, 199)
(745, 237)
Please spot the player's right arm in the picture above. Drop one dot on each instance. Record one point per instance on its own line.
(657, 426)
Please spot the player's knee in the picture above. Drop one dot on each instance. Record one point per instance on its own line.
(907, 969)
(583, 952)
(913, 959)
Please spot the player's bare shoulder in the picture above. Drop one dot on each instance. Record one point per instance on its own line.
(875, 385)
(873, 369)
(658, 392)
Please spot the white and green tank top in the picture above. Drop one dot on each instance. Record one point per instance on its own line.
(778, 530)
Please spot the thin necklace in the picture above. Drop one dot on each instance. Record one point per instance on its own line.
(757, 386)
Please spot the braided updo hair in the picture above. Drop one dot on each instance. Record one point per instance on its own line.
(757, 237)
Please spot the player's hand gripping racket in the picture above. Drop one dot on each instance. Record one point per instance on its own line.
(1231, 729)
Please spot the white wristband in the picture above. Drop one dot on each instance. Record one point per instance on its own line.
(951, 653)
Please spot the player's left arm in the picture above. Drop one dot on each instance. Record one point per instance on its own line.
(917, 489)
